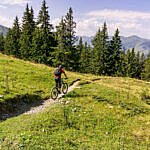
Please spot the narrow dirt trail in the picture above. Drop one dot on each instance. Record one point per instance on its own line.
(48, 102)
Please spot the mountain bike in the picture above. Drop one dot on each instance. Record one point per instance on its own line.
(55, 91)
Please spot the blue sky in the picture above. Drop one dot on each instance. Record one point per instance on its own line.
(132, 17)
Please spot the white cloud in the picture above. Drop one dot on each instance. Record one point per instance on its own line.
(5, 21)
(2, 6)
(122, 14)
(56, 21)
(14, 2)
(128, 22)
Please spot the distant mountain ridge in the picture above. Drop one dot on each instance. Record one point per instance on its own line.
(140, 44)
(3, 30)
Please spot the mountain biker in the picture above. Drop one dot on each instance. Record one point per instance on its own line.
(57, 75)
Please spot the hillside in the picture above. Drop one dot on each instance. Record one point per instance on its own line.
(22, 83)
(3, 30)
(101, 113)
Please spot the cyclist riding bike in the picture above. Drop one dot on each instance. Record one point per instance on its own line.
(57, 75)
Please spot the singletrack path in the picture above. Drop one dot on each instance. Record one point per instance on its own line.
(48, 102)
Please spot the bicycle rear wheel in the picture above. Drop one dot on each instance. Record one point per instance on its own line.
(64, 88)
(54, 93)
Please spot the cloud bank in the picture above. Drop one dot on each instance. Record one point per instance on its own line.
(14, 2)
(128, 22)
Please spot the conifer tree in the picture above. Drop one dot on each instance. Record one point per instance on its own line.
(114, 54)
(123, 64)
(62, 52)
(16, 33)
(80, 47)
(97, 59)
(43, 40)
(85, 59)
(1, 43)
(146, 70)
(70, 39)
(8, 42)
(12, 45)
(141, 59)
(44, 19)
(28, 27)
(133, 64)
(101, 51)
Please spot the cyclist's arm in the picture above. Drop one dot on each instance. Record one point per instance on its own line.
(64, 73)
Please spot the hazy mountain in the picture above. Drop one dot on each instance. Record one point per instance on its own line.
(140, 44)
(3, 30)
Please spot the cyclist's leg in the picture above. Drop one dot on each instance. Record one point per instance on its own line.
(56, 81)
(59, 84)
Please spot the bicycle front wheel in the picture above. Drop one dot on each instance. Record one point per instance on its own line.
(64, 88)
(54, 93)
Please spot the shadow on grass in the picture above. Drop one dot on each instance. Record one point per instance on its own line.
(21, 103)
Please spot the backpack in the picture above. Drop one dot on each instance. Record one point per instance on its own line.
(57, 72)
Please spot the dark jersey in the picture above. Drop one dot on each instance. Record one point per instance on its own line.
(59, 76)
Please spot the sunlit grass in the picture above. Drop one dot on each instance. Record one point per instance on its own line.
(101, 113)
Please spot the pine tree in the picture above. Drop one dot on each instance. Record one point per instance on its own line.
(8, 42)
(62, 53)
(133, 64)
(43, 40)
(105, 44)
(44, 18)
(97, 59)
(28, 27)
(1, 43)
(146, 70)
(70, 39)
(12, 45)
(139, 66)
(123, 64)
(101, 51)
(85, 59)
(80, 47)
(114, 54)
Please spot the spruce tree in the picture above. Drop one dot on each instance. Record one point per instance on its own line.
(123, 64)
(97, 59)
(105, 50)
(12, 45)
(16, 33)
(28, 27)
(80, 47)
(139, 65)
(146, 70)
(1, 42)
(44, 18)
(61, 53)
(43, 40)
(8, 42)
(114, 54)
(85, 58)
(101, 51)
(133, 64)
(70, 40)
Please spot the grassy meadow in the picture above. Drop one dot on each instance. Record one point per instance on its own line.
(101, 113)
(23, 82)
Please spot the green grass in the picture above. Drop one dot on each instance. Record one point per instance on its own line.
(109, 113)
(24, 82)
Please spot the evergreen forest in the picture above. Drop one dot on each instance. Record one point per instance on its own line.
(37, 40)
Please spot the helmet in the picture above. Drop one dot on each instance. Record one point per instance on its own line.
(61, 66)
